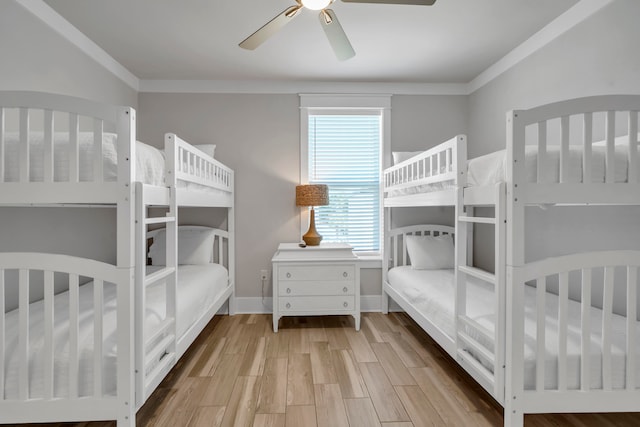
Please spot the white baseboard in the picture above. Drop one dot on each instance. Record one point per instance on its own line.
(253, 305)
(256, 305)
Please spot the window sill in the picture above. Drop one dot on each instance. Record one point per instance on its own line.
(370, 261)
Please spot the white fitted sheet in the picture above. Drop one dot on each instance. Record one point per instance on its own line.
(150, 162)
(431, 292)
(424, 188)
(199, 286)
(492, 168)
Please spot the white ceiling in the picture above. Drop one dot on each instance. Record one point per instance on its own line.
(452, 41)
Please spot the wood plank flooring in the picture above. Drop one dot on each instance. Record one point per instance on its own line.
(320, 372)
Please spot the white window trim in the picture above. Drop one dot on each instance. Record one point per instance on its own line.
(359, 103)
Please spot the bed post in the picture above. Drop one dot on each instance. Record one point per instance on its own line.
(126, 175)
(500, 290)
(461, 237)
(174, 164)
(386, 250)
(140, 290)
(514, 357)
(231, 227)
(460, 259)
(126, 126)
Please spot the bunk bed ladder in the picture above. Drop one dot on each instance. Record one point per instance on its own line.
(155, 352)
(476, 344)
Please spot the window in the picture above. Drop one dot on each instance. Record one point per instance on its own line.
(342, 140)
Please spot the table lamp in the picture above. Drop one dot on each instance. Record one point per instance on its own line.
(312, 195)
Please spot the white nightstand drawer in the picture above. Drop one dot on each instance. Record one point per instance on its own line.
(316, 287)
(317, 303)
(316, 272)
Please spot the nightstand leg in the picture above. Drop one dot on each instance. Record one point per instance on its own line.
(275, 322)
(357, 319)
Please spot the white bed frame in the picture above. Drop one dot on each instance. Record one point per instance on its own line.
(444, 163)
(509, 199)
(214, 187)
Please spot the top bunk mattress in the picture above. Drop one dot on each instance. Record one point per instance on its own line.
(423, 188)
(150, 161)
(492, 168)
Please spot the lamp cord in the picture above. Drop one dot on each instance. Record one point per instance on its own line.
(263, 296)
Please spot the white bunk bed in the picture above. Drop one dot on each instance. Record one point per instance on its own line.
(98, 350)
(530, 357)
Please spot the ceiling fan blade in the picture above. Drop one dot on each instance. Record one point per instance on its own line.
(416, 2)
(336, 35)
(270, 28)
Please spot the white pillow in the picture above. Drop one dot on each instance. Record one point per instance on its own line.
(195, 245)
(209, 149)
(430, 252)
(401, 156)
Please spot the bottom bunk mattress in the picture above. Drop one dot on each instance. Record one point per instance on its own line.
(198, 287)
(431, 292)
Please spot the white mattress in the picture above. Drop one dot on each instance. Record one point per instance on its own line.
(492, 168)
(199, 286)
(431, 292)
(150, 163)
(424, 188)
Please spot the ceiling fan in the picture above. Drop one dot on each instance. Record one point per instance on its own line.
(332, 28)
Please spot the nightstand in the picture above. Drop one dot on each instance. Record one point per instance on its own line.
(315, 281)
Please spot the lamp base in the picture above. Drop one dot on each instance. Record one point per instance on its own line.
(312, 240)
(311, 237)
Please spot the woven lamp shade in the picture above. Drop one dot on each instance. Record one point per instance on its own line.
(312, 195)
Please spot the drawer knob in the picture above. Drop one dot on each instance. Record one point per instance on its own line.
(345, 274)
(345, 289)
(288, 305)
(288, 275)
(288, 290)
(346, 304)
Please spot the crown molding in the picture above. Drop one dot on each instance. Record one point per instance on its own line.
(57, 23)
(563, 23)
(295, 87)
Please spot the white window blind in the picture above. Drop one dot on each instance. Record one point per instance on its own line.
(344, 153)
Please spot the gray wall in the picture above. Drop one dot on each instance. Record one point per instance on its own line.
(258, 136)
(599, 56)
(34, 57)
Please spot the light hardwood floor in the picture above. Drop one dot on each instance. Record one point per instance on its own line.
(320, 372)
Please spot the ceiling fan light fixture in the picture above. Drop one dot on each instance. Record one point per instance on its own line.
(328, 20)
(316, 4)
